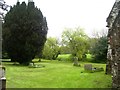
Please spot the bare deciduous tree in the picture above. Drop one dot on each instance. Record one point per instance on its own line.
(3, 7)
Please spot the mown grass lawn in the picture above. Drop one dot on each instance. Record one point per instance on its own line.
(55, 74)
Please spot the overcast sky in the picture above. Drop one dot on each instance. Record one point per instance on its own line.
(88, 14)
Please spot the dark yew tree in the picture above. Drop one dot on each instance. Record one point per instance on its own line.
(99, 49)
(24, 32)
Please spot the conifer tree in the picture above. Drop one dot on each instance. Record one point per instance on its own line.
(24, 32)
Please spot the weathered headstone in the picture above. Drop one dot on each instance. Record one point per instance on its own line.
(88, 67)
(31, 64)
(76, 63)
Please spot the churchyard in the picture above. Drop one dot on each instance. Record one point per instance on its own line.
(24, 39)
(55, 74)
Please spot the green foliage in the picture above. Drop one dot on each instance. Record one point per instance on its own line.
(24, 32)
(51, 49)
(99, 48)
(76, 40)
(65, 49)
(64, 57)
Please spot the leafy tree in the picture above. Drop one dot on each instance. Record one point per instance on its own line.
(99, 48)
(77, 41)
(65, 49)
(24, 32)
(51, 49)
(3, 7)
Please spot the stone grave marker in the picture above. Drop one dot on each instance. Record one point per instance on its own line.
(88, 67)
(76, 63)
(31, 64)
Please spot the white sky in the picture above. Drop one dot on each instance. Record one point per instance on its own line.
(88, 14)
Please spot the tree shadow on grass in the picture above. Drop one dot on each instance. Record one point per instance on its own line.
(12, 64)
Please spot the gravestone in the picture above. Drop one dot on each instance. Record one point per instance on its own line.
(31, 64)
(76, 61)
(88, 67)
(2, 78)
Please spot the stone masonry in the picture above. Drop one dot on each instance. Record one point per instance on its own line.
(113, 55)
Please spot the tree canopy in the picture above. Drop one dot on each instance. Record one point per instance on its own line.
(77, 40)
(3, 7)
(24, 32)
(99, 48)
(51, 49)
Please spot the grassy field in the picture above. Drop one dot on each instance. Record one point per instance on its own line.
(55, 74)
(67, 57)
(64, 57)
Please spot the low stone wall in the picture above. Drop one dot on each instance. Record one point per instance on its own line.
(2, 78)
(3, 84)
